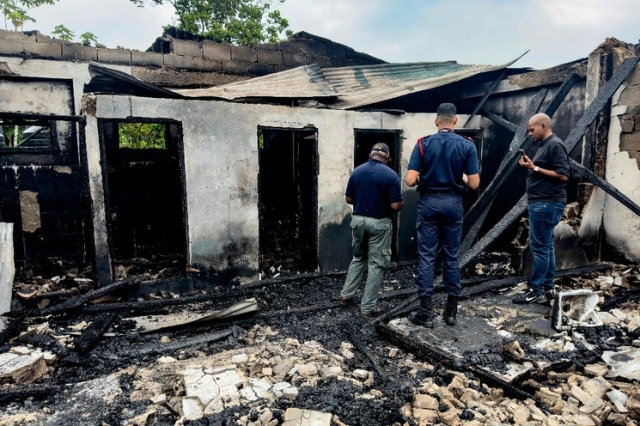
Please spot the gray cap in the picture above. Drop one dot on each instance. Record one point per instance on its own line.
(446, 109)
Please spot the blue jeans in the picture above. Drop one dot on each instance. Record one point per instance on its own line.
(543, 218)
(439, 224)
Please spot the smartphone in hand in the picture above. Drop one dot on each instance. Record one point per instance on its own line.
(522, 153)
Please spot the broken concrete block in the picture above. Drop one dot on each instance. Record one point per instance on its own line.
(228, 378)
(425, 401)
(594, 403)
(290, 392)
(248, 394)
(214, 407)
(393, 352)
(331, 372)
(424, 416)
(625, 362)
(616, 395)
(239, 359)
(298, 417)
(307, 370)
(278, 389)
(596, 370)
(267, 371)
(450, 417)
(283, 367)
(620, 408)
(159, 399)
(597, 386)
(361, 374)
(634, 403)
(191, 409)
(580, 395)
(521, 415)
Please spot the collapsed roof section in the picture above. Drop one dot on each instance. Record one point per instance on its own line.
(348, 87)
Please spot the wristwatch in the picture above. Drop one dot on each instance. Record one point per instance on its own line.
(536, 169)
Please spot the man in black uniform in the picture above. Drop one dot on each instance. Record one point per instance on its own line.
(548, 175)
(375, 192)
(441, 165)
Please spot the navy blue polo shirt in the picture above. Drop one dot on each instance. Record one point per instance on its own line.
(446, 156)
(374, 187)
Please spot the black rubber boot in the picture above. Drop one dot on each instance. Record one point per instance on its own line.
(451, 310)
(424, 314)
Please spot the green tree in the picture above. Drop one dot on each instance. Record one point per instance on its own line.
(141, 135)
(231, 21)
(87, 38)
(63, 33)
(16, 11)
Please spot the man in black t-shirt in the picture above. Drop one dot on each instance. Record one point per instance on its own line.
(546, 191)
(375, 192)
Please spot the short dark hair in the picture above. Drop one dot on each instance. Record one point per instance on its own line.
(446, 111)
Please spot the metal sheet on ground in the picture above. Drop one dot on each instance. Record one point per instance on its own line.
(485, 323)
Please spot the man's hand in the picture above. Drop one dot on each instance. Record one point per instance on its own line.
(526, 162)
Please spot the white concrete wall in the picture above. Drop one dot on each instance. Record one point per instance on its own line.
(42, 68)
(221, 165)
(622, 227)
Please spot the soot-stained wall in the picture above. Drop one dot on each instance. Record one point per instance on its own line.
(221, 171)
(41, 187)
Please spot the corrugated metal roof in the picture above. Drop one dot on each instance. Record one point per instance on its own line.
(352, 87)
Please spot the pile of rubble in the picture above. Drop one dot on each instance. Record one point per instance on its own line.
(298, 362)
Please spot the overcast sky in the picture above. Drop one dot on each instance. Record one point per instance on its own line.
(470, 32)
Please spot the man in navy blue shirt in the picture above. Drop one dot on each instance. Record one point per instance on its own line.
(546, 192)
(375, 192)
(441, 165)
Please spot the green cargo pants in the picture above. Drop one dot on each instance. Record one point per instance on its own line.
(371, 246)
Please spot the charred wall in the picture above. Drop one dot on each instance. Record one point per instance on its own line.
(511, 106)
(41, 184)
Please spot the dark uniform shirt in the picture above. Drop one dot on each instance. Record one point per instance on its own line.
(445, 157)
(552, 155)
(374, 187)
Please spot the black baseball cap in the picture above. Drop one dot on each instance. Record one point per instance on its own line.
(380, 147)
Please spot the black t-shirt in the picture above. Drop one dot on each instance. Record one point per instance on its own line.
(552, 155)
(374, 187)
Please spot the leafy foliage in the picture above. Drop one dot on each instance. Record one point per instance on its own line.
(16, 11)
(63, 33)
(230, 21)
(142, 135)
(87, 38)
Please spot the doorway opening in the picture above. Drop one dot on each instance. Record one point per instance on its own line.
(145, 195)
(364, 141)
(288, 199)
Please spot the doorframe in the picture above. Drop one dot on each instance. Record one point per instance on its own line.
(315, 208)
(105, 177)
(396, 166)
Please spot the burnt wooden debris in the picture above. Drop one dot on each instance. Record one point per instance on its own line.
(486, 95)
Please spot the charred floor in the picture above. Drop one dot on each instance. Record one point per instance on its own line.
(266, 352)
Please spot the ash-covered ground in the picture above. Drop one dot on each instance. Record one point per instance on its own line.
(300, 350)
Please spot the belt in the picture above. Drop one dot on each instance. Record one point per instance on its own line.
(439, 192)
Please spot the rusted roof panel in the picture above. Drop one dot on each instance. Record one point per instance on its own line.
(352, 87)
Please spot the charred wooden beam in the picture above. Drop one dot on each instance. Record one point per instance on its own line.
(23, 393)
(76, 303)
(93, 333)
(186, 343)
(605, 186)
(506, 167)
(485, 97)
(509, 163)
(359, 344)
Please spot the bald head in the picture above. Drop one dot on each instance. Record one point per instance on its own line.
(540, 127)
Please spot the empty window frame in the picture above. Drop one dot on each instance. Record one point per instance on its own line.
(30, 134)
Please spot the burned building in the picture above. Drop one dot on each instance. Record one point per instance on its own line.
(257, 142)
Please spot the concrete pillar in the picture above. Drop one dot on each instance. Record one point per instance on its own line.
(7, 269)
(96, 189)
